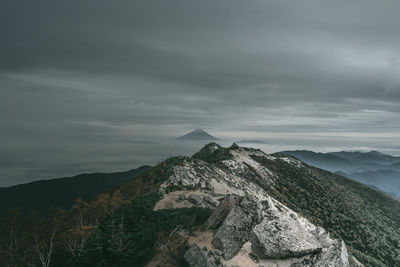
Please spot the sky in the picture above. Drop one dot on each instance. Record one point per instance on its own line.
(105, 85)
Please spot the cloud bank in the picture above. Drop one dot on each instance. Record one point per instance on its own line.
(79, 78)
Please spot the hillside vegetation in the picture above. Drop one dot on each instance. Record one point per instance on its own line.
(62, 192)
(366, 219)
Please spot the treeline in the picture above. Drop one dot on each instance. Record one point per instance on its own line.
(48, 240)
(59, 237)
(130, 236)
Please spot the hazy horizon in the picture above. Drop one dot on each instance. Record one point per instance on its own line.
(130, 158)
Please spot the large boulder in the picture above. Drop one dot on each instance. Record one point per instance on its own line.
(280, 236)
(195, 257)
(236, 228)
(219, 214)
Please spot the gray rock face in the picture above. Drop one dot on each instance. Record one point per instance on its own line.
(236, 228)
(282, 237)
(335, 255)
(220, 213)
(195, 257)
(322, 236)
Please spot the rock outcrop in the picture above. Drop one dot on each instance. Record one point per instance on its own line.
(248, 221)
(280, 236)
(219, 214)
(236, 228)
(334, 255)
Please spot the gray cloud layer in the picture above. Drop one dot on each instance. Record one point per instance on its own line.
(80, 78)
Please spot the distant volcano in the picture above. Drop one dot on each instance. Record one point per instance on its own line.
(198, 135)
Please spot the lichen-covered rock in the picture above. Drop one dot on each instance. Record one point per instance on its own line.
(253, 208)
(233, 233)
(322, 236)
(333, 256)
(219, 214)
(236, 228)
(195, 257)
(185, 175)
(280, 236)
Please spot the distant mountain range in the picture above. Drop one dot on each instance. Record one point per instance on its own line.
(62, 192)
(373, 168)
(197, 135)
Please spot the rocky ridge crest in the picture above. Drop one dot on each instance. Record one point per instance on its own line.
(249, 227)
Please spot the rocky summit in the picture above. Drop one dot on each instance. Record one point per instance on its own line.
(248, 225)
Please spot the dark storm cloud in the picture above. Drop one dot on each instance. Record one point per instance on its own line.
(83, 77)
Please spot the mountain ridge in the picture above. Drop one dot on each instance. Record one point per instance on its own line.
(346, 208)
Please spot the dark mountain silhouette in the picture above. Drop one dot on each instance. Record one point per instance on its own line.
(62, 192)
(197, 135)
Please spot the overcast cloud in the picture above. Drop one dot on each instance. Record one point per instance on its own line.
(101, 85)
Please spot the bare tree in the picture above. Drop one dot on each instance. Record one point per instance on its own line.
(75, 239)
(15, 245)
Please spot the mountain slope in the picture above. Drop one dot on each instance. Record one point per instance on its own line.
(366, 219)
(326, 161)
(61, 192)
(385, 180)
(372, 168)
(197, 135)
(373, 157)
